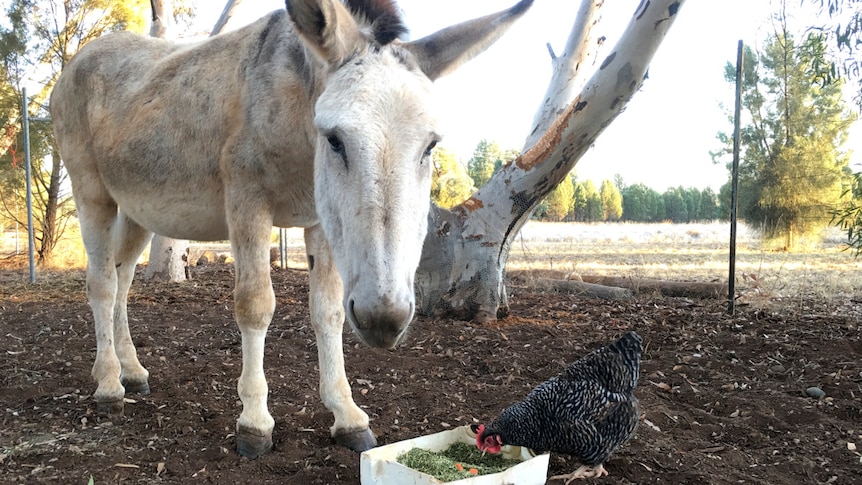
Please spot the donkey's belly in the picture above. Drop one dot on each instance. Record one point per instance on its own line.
(200, 215)
(191, 215)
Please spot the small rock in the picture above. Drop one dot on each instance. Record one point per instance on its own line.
(777, 369)
(815, 392)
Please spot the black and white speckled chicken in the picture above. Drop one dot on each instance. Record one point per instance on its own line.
(587, 411)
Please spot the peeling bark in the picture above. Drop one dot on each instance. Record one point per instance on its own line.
(466, 249)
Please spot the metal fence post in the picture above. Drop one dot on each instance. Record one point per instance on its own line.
(731, 282)
(25, 121)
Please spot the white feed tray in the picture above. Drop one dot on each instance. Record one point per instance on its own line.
(378, 466)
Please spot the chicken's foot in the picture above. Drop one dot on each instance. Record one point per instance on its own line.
(583, 472)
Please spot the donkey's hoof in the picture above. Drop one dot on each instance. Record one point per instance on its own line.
(252, 445)
(137, 387)
(110, 408)
(359, 441)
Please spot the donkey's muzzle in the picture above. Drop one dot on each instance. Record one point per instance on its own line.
(381, 324)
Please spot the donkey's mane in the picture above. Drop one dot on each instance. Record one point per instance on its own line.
(383, 16)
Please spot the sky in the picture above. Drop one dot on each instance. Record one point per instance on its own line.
(664, 136)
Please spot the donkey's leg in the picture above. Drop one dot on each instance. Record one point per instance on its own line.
(254, 303)
(130, 241)
(97, 215)
(327, 316)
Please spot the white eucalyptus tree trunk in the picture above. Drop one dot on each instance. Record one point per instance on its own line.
(466, 249)
(169, 257)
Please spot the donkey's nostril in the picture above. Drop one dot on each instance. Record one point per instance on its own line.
(351, 309)
(379, 323)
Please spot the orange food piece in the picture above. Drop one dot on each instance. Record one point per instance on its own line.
(459, 466)
(474, 471)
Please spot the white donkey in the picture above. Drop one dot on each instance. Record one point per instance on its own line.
(320, 118)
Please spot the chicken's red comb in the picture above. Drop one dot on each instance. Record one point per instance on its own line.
(479, 431)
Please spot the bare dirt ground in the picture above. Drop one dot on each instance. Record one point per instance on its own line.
(723, 397)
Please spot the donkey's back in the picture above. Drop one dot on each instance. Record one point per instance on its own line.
(155, 127)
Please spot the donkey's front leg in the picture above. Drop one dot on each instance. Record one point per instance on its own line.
(254, 303)
(327, 316)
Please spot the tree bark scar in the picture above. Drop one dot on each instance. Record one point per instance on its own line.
(552, 138)
(472, 204)
(625, 75)
(608, 60)
(642, 8)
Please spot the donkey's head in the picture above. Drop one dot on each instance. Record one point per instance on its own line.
(376, 129)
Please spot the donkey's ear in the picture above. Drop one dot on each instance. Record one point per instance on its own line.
(326, 27)
(441, 53)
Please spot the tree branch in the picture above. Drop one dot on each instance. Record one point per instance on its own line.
(565, 80)
(227, 13)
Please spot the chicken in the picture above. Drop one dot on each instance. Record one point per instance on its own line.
(587, 411)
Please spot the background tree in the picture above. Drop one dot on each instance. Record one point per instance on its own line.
(619, 183)
(642, 204)
(593, 202)
(41, 36)
(560, 202)
(845, 32)
(708, 209)
(634, 203)
(849, 217)
(579, 206)
(450, 183)
(480, 167)
(792, 168)
(612, 201)
(656, 206)
(691, 196)
(12, 49)
(674, 205)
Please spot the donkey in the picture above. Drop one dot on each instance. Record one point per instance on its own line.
(319, 117)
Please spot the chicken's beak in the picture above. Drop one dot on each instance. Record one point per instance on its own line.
(483, 453)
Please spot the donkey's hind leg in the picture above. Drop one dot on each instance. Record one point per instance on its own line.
(130, 239)
(327, 316)
(98, 214)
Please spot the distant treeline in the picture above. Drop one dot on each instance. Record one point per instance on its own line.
(615, 201)
(573, 199)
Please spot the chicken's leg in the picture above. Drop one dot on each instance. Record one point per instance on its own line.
(584, 471)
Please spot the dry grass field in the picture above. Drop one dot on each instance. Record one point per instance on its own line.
(689, 252)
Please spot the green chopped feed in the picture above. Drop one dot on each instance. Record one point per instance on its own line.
(442, 465)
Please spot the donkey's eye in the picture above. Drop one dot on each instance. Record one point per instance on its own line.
(430, 148)
(335, 144)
